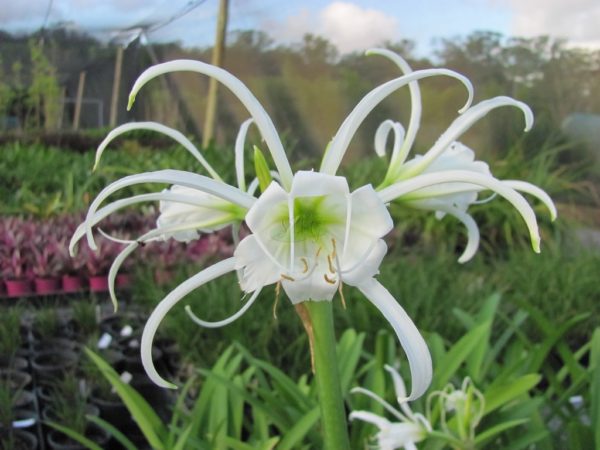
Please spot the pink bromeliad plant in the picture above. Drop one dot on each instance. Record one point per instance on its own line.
(310, 233)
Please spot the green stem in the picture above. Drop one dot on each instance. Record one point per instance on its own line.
(333, 412)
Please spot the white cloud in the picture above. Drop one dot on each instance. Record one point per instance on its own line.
(348, 26)
(576, 20)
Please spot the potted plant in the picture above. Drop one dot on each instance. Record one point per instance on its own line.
(11, 339)
(12, 429)
(69, 407)
(15, 258)
(97, 263)
(47, 263)
(85, 318)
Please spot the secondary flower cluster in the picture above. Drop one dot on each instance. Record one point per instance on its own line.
(310, 233)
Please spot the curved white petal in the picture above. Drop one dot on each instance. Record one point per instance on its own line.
(400, 389)
(411, 340)
(114, 270)
(462, 176)
(466, 219)
(531, 189)
(179, 177)
(258, 113)
(382, 134)
(378, 399)
(415, 105)
(239, 154)
(462, 124)
(367, 267)
(160, 128)
(203, 277)
(366, 416)
(227, 321)
(107, 210)
(340, 142)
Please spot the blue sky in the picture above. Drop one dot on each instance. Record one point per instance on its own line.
(350, 24)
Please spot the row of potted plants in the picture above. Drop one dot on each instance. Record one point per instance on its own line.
(46, 379)
(34, 256)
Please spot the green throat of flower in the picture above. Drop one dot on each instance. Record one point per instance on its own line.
(311, 219)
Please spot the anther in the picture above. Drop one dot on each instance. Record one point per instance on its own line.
(328, 280)
(287, 277)
(305, 262)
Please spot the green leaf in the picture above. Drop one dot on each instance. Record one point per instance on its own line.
(451, 361)
(146, 418)
(262, 169)
(296, 434)
(595, 385)
(113, 431)
(496, 430)
(499, 395)
(75, 436)
(183, 438)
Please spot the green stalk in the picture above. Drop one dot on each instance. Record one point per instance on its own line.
(333, 412)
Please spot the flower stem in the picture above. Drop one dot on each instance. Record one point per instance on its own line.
(333, 412)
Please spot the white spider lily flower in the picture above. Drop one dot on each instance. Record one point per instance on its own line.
(309, 231)
(411, 427)
(451, 196)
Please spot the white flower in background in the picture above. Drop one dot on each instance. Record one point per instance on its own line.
(448, 177)
(409, 428)
(310, 232)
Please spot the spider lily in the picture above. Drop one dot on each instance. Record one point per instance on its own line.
(447, 178)
(309, 232)
(411, 427)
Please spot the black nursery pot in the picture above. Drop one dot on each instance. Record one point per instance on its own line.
(49, 365)
(15, 379)
(22, 440)
(13, 362)
(60, 441)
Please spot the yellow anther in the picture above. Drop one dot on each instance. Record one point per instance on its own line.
(328, 280)
(305, 262)
(287, 277)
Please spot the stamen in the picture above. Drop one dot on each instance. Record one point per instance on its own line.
(305, 262)
(328, 280)
(341, 292)
(330, 263)
(287, 277)
(318, 252)
(277, 292)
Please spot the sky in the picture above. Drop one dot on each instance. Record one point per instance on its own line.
(350, 24)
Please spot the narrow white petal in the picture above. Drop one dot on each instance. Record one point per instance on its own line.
(462, 124)
(411, 340)
(114, 270)
(258, 113)
(227, 321)
(366, 416)
(161, 310)
(531, 189)
(472, 230)
(378, 399)
(401, 188)
(160, 128)
(122, 203)
(178, 177)
(340, 142)
(415, 104)
(382, 134)
(239, 154)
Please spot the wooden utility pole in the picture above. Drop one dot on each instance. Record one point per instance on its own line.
(217, 60)
(116, 86)
(79, 100)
